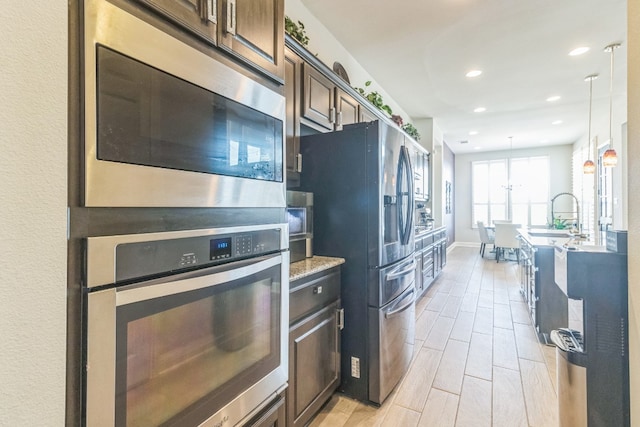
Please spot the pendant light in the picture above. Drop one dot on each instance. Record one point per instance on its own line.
(610, 157)
(589, 167)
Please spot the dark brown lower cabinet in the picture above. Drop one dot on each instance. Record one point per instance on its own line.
(314, 345)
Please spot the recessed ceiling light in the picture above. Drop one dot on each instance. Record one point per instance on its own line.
(473, 132)
(474, 73)
(477, 148)
(557, 122)
(480, 110)
(544, 141)
(579, 51)
(553, 98)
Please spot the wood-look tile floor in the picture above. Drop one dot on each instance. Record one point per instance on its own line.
(477, 361)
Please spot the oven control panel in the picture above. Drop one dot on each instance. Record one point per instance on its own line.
(146, 258)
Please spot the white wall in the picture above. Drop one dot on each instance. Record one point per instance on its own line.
(600, 132)
(560, 166)
(328, 49)
(33, 189)
(633, 89)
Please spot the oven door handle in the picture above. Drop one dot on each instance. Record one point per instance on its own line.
(396, 310)
(195, 280)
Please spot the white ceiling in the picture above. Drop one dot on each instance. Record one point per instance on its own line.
(420, 50)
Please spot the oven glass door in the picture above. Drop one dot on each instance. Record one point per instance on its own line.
(187, 347)
(151, 118)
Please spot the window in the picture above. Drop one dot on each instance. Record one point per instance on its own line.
(489, 194)
(517, 190)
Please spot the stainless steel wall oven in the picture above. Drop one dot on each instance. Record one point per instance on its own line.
(186, 327)
(169, 126)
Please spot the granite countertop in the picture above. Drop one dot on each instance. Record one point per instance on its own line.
(309, 266)
(545, 237)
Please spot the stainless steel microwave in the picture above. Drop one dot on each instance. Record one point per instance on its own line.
(169, 126)
(300, 219)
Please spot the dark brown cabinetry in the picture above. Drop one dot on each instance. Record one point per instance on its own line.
(317, 101)
(252, 30)
(314, 344)
(366, 115)
(431, 257)
(292, 78)
(196, 16)
(325, 106)
(420, 162)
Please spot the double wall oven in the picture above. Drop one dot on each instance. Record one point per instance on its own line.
(182, 227)
(194, 330)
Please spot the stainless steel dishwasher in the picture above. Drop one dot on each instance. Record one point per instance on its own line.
(571, 371)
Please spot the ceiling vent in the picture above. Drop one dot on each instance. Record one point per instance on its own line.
(464, 142)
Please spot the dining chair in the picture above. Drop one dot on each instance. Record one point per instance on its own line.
(506, 238)
(484, 237)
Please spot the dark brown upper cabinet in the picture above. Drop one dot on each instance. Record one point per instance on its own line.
(251, 30)
(318, 100)
(292, 79)
(254, 31)
(325, 106)
(196, 16)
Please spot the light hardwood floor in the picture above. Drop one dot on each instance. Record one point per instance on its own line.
(477, 361)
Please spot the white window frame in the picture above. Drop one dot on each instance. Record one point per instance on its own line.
(507, 162)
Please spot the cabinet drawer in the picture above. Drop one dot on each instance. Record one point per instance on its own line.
(311, 293)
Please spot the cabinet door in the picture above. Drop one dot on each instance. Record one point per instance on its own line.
(254, 30)
(314, 364)
(197, 16)
(292, 80)
(318, 103)
(366, 115)
(348, 109)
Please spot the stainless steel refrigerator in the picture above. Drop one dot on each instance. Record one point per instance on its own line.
(362, 182)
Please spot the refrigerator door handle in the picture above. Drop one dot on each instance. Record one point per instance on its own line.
(411, 268)
(405, 175)
(392, 312)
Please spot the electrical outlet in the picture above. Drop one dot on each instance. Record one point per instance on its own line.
(355, 367)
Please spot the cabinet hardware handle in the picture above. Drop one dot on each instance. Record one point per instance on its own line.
(212, 11)
(332, 115)
(231, 17)
(340, 118)
(340, 314)
(298, 167)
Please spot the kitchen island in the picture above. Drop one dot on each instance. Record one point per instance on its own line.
(546, 303)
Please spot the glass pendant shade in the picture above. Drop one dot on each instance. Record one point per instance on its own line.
(589, 168)
(610, 158)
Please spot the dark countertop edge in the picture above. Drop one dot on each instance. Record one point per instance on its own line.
(309, 266)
